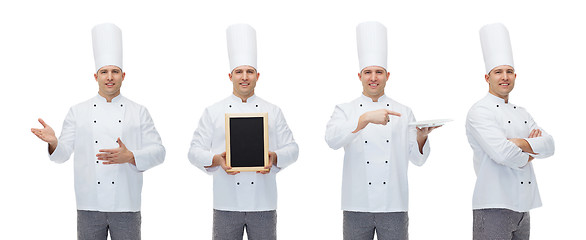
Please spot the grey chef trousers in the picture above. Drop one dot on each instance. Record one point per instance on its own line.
(229, 225)
(387, 225)
(500, 224)
(94, 225)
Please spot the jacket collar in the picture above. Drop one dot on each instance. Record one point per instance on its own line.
(368, 99)
(103, 99)
(238, 99)
(495, 99)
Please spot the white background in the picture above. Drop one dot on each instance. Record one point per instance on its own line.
(176, 64)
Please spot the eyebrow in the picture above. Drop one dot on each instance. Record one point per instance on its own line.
(503, 70)
(250, 70)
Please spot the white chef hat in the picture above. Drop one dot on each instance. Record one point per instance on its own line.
(496, 46)
(371, 38)
(107, 42)
(241, 40)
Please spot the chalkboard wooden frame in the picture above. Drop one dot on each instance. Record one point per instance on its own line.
(234, 143)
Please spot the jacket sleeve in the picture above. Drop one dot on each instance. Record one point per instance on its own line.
(543, 146)
(415, 156)
(287, 150)
(152, 152)
(200, 153)
(339, 129)
(482, 127)
(66, 142)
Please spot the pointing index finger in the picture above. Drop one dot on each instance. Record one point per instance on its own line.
(389, 112)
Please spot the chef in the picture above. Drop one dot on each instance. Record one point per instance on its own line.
(378, 143)
(114, 140)
(505, 140)
(242, 199)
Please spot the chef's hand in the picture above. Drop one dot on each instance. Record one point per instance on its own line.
(535, 133)
(46, 134)
(272, 161)
(380, 116)
(524, 145)
(116, 155)
(220, 160)
(422, 134)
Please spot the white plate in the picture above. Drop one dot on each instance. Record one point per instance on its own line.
(430, 123)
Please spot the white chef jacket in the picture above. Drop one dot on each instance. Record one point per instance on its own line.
(504, 178)
(376, 158)
(96, 124)
(245, 191)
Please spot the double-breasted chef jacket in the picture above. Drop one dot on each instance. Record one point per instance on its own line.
(504, 177)
(97, 124)
(376, 158)
(245, 191)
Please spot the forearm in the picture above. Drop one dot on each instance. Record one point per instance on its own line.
(421, 142)
(147, 158)
(418, 154)
(498, 148)
(523, 145)
(217, 160)
(61, 152)
(542, 146)
(287, 155)
(52, 147)
(130, 158)
(339, 133)
(202, 159)
(362, 122)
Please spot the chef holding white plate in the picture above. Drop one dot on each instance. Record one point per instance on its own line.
(379, 143)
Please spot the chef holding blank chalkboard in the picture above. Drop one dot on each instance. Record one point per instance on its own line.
(243, 199)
